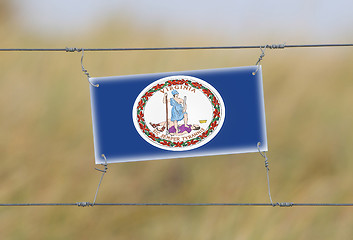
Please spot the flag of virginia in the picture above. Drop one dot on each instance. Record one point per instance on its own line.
(178, 114)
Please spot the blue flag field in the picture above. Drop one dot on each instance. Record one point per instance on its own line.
(178, 114)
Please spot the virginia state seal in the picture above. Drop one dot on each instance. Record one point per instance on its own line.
(178, 113)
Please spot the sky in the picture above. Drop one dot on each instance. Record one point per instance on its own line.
(317, 21)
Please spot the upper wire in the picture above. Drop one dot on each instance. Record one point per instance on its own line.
(270, 46)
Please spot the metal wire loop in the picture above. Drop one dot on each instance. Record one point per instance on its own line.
(263, 154)
(260, 59)
(105, 164)
(85, 71)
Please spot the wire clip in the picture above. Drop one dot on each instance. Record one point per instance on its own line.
(84, 204)
(263, 48)
(105, 164)
(264, 156)
(260, 59)
(276, 46)
(67, 49)
(284, 204)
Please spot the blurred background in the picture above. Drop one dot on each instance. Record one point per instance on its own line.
(46, 140)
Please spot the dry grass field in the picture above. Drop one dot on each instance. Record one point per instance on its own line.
(46, 146)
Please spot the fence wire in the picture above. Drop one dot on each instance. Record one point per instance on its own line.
(268, 46)
(89, 204)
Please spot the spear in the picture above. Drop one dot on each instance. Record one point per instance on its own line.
(166, 110)
(184, 103)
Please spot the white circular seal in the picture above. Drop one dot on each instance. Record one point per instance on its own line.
(178, 113)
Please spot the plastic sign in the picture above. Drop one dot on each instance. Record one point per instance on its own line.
(177, 115)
